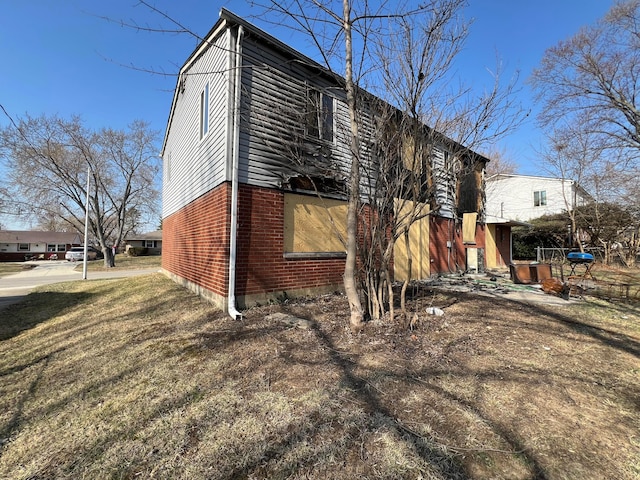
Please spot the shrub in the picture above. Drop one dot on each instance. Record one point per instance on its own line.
(137, 251)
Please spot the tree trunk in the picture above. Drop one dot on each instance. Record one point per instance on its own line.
(350, 283)
(109, 257)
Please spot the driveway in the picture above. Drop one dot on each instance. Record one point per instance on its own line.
(13, 288)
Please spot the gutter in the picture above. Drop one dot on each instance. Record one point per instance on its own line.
(235, 145)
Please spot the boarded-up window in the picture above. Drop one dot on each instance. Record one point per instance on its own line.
(314, 225)
(469, 227)
(414, 215)
(411, 155)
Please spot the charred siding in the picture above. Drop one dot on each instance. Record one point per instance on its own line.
(273, 146)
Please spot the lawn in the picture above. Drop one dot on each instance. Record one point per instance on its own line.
(124, 262)
(137, 378)
(9, 268)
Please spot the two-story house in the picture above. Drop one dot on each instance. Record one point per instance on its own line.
(524, 197)
(255, 161)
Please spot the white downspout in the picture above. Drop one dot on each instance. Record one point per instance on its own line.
(235, 138)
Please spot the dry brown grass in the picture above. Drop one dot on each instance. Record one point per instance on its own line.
(137, 378)
(9, 268)
(124, 262)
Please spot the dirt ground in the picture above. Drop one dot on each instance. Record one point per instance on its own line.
(506, 383)
(139, 378)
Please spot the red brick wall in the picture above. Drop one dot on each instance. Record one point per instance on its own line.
(196, 246)
(442, 230)
(261, 266)
(195, 241)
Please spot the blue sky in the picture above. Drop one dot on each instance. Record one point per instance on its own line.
(60, 57)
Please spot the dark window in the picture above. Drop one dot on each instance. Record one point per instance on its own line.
(319, 115)
(23, 247)
(539, 198)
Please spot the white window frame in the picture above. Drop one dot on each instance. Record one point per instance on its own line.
(204, 111)
(540, 198)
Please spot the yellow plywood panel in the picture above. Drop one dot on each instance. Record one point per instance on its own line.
(490, 246)
(469, 227)
(418, 245)
(313, 224)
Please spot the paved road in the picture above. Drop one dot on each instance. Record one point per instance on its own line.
(14, 288)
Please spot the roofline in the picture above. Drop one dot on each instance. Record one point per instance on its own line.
(204, 44)
(513, 175)
(226, 20)
(540, 177)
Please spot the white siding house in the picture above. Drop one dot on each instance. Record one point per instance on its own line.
(524, 197)
(20, 245)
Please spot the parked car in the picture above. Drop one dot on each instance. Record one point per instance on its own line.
(99, 254)
(76, 254)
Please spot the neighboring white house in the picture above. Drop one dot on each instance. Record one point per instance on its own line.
(17, 245)
(524, 197)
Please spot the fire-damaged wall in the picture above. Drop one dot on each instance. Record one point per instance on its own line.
(447, 250)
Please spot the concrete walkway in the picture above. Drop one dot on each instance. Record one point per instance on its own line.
(13, 288)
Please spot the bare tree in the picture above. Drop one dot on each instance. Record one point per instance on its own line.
(591, 80)
(49, 159)
(403, 53)
(588, 86)
(501, 162)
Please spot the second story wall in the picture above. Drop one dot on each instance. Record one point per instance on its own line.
(293, 120)
(195, 152)
(524, 197)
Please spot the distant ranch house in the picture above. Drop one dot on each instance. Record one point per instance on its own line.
(18, 246)
(150, 242)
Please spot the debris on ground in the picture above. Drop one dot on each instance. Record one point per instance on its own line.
(290, 320)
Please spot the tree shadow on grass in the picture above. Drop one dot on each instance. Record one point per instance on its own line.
(36, 308)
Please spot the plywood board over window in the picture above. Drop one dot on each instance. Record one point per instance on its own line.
(314, 225)
(469, 227)
(418, 241)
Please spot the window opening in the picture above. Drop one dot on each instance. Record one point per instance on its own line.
(539, 198)
(319, 115)
(204, 111)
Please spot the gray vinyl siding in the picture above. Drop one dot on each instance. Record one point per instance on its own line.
(272, 142)
(193, 166)
(445, 183)
(273, 97)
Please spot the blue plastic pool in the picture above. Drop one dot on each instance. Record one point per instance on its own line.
(579, 257)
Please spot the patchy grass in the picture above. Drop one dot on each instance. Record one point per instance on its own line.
(137, 378)
(125, 262)
(616, 282)
(9, 268)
